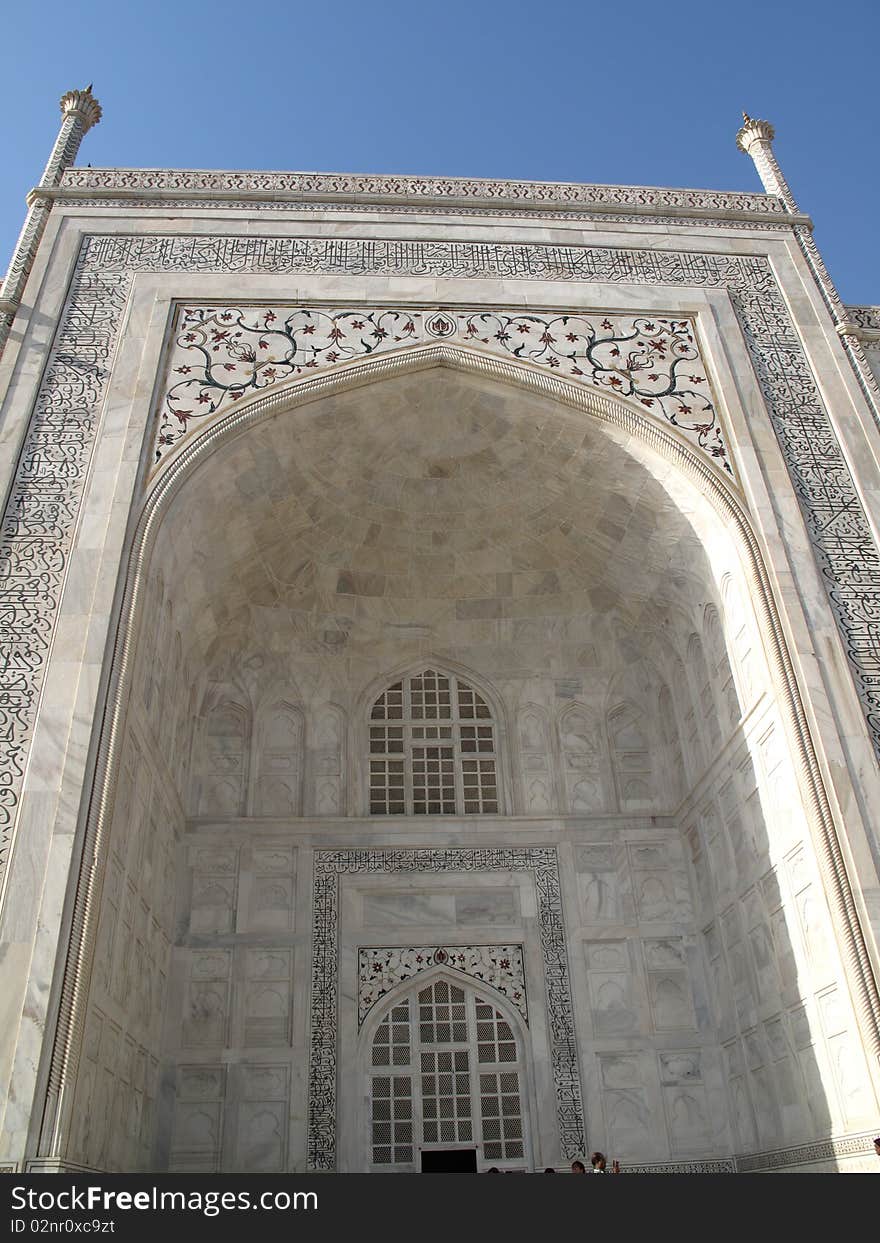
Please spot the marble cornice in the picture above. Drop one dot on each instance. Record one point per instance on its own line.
(157, 185)
(864, 323)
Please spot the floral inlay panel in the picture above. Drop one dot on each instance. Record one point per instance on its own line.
(225, 353)
(382, 969)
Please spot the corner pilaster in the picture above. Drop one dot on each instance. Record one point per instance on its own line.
(755, 138)
(79, 112)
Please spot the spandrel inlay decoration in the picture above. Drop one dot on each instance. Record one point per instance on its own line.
(381, 969)
(46, 494)
(225, 353)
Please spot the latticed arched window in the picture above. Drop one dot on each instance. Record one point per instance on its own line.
(446, 1073)
(432, 749)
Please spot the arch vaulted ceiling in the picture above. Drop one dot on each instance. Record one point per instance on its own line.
(425, 513)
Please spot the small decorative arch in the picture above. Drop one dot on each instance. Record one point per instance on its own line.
(581, 749)
(220, 780)
(433, 747)
(279, 761)
(631, 757)
(535, 760)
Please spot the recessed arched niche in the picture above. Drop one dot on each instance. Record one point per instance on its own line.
(467, 667)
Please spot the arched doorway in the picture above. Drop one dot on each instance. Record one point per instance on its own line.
(447, 1079)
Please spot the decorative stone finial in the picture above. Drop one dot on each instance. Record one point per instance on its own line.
(754, 131)
(83, 103)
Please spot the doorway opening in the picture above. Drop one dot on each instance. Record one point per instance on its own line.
(447, 1080)
(450, 1161)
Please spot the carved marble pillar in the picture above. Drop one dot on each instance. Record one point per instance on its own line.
(755, 138)
(79, 112)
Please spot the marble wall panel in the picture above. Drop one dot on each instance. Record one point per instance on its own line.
(583, 763)
(625, 1104)
(604, 884)
(327, 754)
(279, 762)
(612, 988)
(538, 787)
(669, 985)
(198, 1119)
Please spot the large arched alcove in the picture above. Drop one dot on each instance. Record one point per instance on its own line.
(441, 521)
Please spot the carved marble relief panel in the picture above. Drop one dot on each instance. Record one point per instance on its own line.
(625, 1103)
(612, 987)
(116, 1093)
(685, 1101)
(538, 787)
(659, 880)
(582, 751)
(221, 781)
(604, 883)
(214, 888)
(198, 1119)
(669, 984)
(280, 752)
(270, 905)
(328, 758)
(263, 1118)
(228, 1049)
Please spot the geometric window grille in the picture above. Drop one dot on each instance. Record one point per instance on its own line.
(446, 1073)
(432, 749)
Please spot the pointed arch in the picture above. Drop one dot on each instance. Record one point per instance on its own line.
(631, 756)
(445, 1060)
(580, 744)
(278, 760)
(535, 753)
(432, 747)
(684, 474)
(220, 780)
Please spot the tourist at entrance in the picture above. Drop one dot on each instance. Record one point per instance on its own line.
(599, 1163)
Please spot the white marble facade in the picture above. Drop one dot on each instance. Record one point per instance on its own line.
(668, 910)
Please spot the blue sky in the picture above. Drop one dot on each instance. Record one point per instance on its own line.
(642, 93)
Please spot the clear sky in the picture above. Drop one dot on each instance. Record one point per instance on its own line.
(640, 92)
